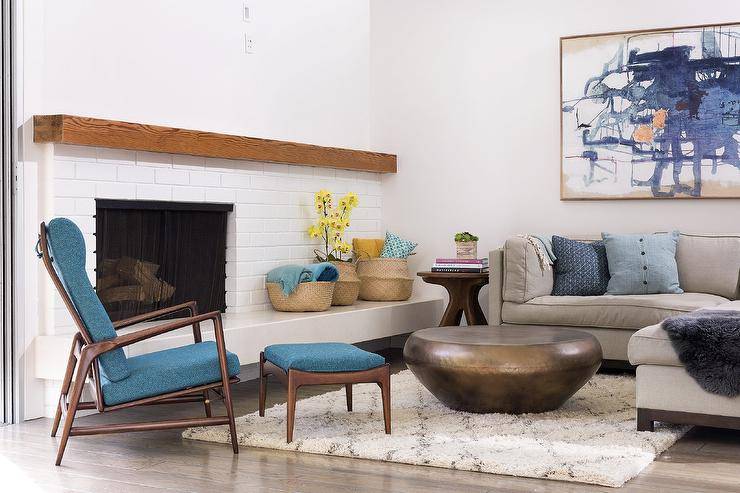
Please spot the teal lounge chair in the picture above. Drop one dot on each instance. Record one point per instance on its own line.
(183, 374)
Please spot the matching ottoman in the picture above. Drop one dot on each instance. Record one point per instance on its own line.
(323, 363)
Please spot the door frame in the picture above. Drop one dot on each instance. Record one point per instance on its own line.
(8, 155)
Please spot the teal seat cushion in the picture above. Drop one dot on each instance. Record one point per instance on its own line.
(168, 370)
(327, 357)
(67, 251)
(642, 263)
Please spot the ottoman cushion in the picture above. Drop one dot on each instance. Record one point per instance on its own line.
(328, 357)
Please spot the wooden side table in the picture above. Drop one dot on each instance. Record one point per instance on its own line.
(463, 288)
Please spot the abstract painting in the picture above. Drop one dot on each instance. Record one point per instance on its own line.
(651, 114)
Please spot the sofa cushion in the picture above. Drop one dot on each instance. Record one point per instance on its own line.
(709, 264)
(581, 268)
(523, 277)
(652, 346)
(642, 263)
(607, 311)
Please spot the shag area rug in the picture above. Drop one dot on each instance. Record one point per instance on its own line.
(591, 439)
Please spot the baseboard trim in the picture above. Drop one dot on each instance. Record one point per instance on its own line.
(646, 419)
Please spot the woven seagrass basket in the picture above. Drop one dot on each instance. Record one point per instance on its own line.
(385, 288)
(384, 279)
(383, 267)
(347, 288)
(308, 297)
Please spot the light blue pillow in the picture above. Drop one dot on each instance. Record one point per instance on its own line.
(642, 264)
(397, 247)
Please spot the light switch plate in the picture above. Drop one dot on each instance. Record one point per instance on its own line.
(246, 12)
(249, 44)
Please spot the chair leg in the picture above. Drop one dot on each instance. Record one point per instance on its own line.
(207, 403)
(66, 382)
(348, 390)
(221, 346)
(263, 386)
(75, 399)
(292, 391)
(385, 390)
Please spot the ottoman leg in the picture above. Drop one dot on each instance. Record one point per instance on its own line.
(292, 391)
(385, 390)
(348, 389)
(263, 385)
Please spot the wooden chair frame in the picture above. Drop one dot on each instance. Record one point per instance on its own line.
(83, 364)
(294, 379)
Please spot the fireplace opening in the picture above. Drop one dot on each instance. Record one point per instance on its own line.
(152, 255)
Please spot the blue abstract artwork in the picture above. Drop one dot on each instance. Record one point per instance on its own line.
(651, 114)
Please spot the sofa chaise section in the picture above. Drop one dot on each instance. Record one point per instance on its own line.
(666, 392)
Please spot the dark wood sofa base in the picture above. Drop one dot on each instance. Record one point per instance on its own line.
(646, 419)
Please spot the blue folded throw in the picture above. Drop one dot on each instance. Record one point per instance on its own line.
(289, 276)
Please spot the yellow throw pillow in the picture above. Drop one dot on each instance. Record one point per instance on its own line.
(367, 247)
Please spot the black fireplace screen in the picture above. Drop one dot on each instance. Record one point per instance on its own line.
(152, 255)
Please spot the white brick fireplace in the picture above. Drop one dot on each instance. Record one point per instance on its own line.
(273, 206)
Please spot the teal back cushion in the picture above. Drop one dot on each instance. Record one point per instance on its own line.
(642, 264)
(67, 251)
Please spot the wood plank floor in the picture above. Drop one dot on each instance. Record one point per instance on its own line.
(705, 460)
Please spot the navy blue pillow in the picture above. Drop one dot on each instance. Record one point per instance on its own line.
(581, 269)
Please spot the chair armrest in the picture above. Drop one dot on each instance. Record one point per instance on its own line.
(99, 348)
(191, 306)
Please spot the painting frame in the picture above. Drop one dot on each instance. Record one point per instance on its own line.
(564, 39)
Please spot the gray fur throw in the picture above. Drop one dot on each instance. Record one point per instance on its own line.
(708, 344)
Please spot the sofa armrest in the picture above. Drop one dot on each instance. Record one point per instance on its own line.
(496, 285)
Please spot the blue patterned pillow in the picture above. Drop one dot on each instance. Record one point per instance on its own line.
(642, 264)
(581, 269)
(397, 247)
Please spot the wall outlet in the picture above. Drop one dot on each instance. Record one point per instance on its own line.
(246, 12)
(249, 43)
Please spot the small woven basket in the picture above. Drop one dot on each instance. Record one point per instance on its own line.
(383, 267)
(308, 297)
(347, 288)
(386, 288)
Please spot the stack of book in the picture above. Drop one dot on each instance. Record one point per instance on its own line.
(474, 265)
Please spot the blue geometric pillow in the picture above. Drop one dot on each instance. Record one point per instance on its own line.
(581, 269)
(396, 247)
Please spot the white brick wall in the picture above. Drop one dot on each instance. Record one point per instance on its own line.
(273, 206)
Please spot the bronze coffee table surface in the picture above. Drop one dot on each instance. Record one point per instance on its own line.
(508, 369)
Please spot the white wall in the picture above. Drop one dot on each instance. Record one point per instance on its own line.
(467, 94)
(182, 63)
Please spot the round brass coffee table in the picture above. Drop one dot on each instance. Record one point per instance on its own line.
(504, 369)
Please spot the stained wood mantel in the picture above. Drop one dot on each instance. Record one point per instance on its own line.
(79, 130)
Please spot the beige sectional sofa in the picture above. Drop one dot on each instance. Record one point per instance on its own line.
(628, 327)
(520, 292)
(665, 392)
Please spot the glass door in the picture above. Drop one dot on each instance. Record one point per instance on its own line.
(7, 120)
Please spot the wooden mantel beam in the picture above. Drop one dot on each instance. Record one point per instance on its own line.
(79, 130)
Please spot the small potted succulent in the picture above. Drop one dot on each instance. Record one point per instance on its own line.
(467, 245)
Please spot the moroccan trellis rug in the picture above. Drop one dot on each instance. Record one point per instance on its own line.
(591, 439)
